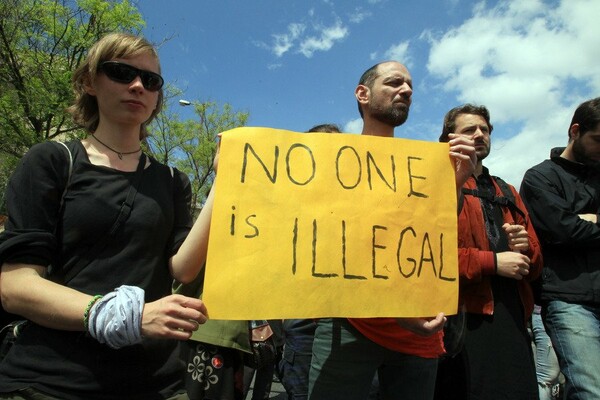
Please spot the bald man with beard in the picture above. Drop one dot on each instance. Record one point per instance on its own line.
(403, 351)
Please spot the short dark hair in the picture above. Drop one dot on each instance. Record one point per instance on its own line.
(587, 116)
(367, 79)
(450, 118)
(326, 128)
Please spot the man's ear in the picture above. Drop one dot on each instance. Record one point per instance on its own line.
(574, 132)
(362, 94)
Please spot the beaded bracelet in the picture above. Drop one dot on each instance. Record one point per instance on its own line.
(86, 313)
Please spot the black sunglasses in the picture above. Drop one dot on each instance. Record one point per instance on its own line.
(125, 73)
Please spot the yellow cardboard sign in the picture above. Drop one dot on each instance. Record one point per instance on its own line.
(310, 225)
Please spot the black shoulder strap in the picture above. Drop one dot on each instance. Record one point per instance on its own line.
(100, 244)
(507, 199)
(68, 181)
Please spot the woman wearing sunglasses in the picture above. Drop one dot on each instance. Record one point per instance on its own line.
(107, 332)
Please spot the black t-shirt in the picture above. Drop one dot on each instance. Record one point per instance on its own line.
(72, 365)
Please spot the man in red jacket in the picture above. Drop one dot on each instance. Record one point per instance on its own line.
(404, 352)
(499, 254)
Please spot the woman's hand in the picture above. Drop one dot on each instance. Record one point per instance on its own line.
(173, 317)
(216, 159)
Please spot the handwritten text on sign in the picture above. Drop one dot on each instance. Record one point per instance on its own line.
(316, 225)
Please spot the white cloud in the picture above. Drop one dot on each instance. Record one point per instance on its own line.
(359, 15)
(274, 66)
(399, 52)
(283, 42)
(530, 62)
(511, 157)
(353, 126)
(325, 41)
(306, 39)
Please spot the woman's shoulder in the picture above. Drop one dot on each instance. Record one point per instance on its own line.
(46, 155)
(47, 149)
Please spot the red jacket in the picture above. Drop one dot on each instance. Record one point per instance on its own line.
(477, 262)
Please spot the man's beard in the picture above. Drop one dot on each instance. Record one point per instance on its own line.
(393, 116)
(580, 154)
(481, 155)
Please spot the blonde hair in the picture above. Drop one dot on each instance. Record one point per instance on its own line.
(114, 45)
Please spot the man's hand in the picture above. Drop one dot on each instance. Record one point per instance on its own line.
(462, 151)
(512, 265)
(518, 238)
(423, 326)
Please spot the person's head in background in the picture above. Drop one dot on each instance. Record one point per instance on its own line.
(325, 128)
(584, 134)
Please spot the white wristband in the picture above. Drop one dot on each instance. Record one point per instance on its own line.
(116, 319)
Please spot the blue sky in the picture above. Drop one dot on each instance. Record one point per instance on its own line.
(294, 64)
